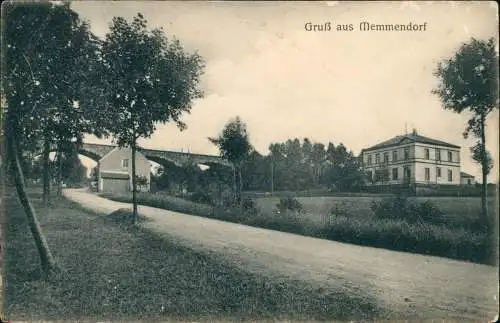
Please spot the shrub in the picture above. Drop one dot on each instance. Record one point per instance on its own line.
(249, 206)
(427, 212)
(391, 207)
(201, 197)
(289, 204)
(339, 209)
(400, 208)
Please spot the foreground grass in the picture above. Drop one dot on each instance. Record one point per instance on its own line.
(457, 237)
(112, 272)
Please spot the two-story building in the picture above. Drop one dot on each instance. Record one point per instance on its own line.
(115, 171)
(412, 159)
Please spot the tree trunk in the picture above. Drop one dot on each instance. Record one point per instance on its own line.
(240, 188)
(46, 259)
(134, 185)
(484, 168)
(219, 189)
(46, 171)
(59, 170)
(235, 194)
(272, 177)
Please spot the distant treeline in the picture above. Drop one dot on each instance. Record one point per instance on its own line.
(290, 166)
(300, 168)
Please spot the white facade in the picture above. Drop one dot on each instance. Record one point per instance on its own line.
(412, 159)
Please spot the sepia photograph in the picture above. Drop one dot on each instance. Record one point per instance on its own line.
(249, 161)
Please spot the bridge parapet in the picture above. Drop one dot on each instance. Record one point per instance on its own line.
(97, 151)
(180, 158)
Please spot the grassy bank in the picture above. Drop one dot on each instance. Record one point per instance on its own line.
(112, 272)
(455, 234)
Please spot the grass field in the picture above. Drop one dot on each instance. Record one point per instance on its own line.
(457, 209)
(111, 272)
(457, 233)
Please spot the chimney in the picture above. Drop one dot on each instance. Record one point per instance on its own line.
(414, 132)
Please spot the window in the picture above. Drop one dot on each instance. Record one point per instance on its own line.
(407, 153)
(394, 174)
(469, 182)
(394, 155)
(427, 174)
(386, 157)
(369, 159)
(438, 154)
(377, 159)
(450, 156)
(124, 163)
(427, 154)
(369, 175)
(450, 175)
(438, 171)
(407, 173)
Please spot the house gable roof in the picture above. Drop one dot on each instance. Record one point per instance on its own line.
(122, 149)
(410, 138)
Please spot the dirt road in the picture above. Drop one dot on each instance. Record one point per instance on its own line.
(405, 285)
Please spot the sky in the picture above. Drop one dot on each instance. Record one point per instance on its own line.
(352, 87)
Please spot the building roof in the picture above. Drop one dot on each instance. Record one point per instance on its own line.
(413, 137)
(464, 174)
(114, 174)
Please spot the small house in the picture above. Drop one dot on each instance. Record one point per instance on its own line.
(467, 179)
(115, 171)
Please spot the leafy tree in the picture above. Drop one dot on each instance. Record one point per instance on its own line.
(318, 157)
(234, 145)
(46, 48)
(257, 170)
(52, 51)
(276, 157)
(148, 80)
(68, 167)
(331, 152)
(222, 177)
(469, 82)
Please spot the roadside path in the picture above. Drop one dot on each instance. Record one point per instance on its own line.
(405, 285)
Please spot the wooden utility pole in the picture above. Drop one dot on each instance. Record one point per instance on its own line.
(272, 176)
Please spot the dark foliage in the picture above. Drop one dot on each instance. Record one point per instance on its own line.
(339, 209)
(250, 207)
(289, 204)
(201, 196)
(400, 208)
